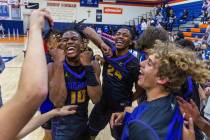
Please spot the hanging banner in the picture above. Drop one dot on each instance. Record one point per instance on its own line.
(89, 3)
(98, 15)
(15, 12)
(62, 11)
(113, 10)
(4, 11)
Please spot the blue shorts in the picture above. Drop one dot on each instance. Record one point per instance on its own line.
(70, 127)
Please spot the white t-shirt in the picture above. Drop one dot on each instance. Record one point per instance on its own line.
(143, 26)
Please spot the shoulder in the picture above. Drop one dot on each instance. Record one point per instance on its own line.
(133, 61)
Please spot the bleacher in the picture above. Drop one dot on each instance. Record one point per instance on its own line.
(197, 31)
(194, 9)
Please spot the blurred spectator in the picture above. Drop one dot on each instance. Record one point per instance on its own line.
(157, 9)
(185, 15)
(159, 18)
(183, 42)
(134, 31)
(171, 20)
(204, 7)
(168, 12)
(143, 25)
(164, 3)
(148, 22)
(142, 19)
(205, 17)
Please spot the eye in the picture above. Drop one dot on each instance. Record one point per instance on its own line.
(125, 35)
(117, 34)
(75, 38)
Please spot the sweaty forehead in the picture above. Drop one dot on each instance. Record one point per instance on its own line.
(70, 34)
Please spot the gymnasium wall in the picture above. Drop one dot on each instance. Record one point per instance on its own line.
(70, 11)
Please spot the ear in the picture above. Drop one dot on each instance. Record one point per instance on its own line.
(162, 80)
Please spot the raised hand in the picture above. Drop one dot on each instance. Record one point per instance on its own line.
(189, 109)
(57, 54)
(117, 119)
(106, 50)
(38, 17)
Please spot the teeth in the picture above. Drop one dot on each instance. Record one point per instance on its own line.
(119, 41)
(70, 48)
(140, 71)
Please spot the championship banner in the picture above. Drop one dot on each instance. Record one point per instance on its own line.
(4, 11)
(89, 3)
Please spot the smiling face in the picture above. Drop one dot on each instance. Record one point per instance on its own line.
(148, 73)
(71, 42)
(123, 38)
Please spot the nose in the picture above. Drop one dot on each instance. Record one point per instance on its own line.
(119, 35)
(70, 41)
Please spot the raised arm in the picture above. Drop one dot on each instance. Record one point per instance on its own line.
(57, 85)
(93, 76)
(32, 88)
(97, 40)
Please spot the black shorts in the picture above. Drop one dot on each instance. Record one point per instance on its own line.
(100, 117)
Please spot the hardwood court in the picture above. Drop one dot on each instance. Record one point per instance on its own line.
(9, 79)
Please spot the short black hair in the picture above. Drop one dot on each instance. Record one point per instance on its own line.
(129, 29)
(73, 30)
(52, 32)
(150, 35)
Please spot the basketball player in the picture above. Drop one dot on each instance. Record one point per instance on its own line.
(78, 83)
(120, 72)
(33, 85)
(161, 75)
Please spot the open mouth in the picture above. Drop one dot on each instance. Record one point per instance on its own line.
(119, 42)
(70, 50)
(140, 74)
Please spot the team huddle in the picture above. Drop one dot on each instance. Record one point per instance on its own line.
(155, 78)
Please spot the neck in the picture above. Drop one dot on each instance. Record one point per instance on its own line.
(121, 52)
(73, 61)
(155, 93)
